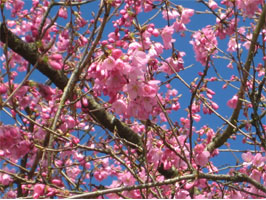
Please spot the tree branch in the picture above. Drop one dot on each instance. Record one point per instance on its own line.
(238, 177)
(30, 53)
(219, 140)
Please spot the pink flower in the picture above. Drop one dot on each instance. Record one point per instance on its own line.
(249, 7)
(133, 89)
(11, 195)
(82, 41)
(62, 12)
(140, 58)
(17, 6)
(182, 194)
(177, 64)
(230, 65)
(155, 32)
(150, 89)
(80, 21)
(100, 174)
(214, 105)
(171, 14)
(46, 91)
(156, 50)
(232, 45)
(5, 179)
(256, 175)
(57, 182)
(56, 57)
(248, 42)
(38, 190)
(236, 195)
(212, 4)
(116, 53)
(232, 103)
(202, 159)
(87, 165)
(108, 63)
(3, 88)
(73, 172)
(204, 44)
(186, 14)
(55, 65)
(199, 148)
(120, 106)
(247, 157)
(178, 26)
(258, 160)
(196, 117)
(126, 178)
(167, 37)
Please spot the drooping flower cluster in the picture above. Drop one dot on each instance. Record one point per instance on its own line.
(121, 72)
(249, 7)
(204, 44)
(12, 143)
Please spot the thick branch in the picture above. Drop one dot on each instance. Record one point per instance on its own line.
(29, 52)
(219, 140)
(237, 178)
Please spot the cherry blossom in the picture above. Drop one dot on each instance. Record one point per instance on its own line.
(233, 102)
(107, 99)
(166, 34)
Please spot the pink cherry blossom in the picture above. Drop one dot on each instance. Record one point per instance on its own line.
(173, 63)
(182, 194)
(139, 58)
(38, 190)
(62, 12)
(120, 106)
(127, 179)
(212, 4)
(248, 41)
(17, 6)
(186, 14)
(202, 156)
(204, 44)
(196, 117)
(3, 88)
(258, 160)
(55, 65)
(171, 14)
(108, 63)
(256, 175)
(167, 37)
(100, 175)
(214, 105)
(247, 157)
(125, 120)
(179, 26)
(5, 179)
(233, 102)
(249, 6)
(150, 89)
(202, 159)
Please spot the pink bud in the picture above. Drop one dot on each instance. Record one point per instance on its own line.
(155, 32)
(213, 5)
(215, 106)
(232, 103)
(3, 88)
(55, 65)
(56, 57)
